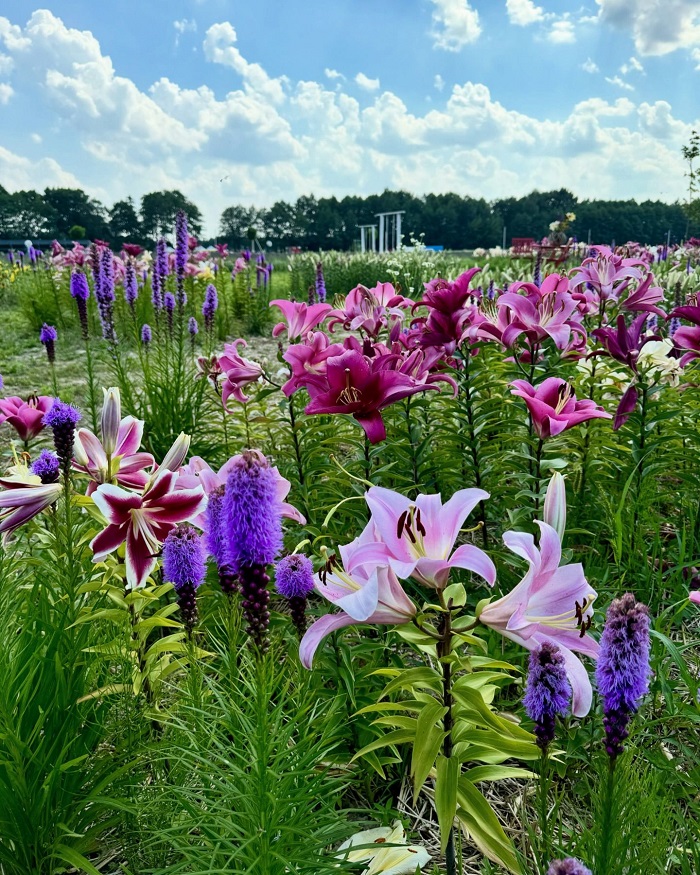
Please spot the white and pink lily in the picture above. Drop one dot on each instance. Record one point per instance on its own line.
(372, 594)
(125, 465)
(416, 538)
(24, 496)
(300, 318)
(143, 520)
(551, 603)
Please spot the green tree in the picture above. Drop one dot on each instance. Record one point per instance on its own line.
(159, 210)
(25, 214)
(124, 222)
(72, 206)
(236, 221)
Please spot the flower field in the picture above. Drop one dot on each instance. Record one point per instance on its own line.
(349, 563)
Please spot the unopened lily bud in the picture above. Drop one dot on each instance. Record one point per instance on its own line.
(111, 417)
(555, 504)
(176, 455)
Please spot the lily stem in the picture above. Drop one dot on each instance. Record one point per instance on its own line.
(443, 650)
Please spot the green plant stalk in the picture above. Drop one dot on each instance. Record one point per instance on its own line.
(607, 825)
(640, 464)
(414, 456)
(545, 832)
(294, 426)
(537, 464)
(473, 442)
(92, 399)
(444, 647)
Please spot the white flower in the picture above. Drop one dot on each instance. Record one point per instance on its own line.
(392, 855)
(655, 362)
(570, 217)
(553, 226)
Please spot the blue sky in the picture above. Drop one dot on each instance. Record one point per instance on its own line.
(255, 102)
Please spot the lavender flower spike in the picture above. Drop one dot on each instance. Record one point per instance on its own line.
(146, 335)
(184, 567)
(294, 579)
(548, 691)
(209, 307)
(48, 336)
(568, 867)
(216, 540)
(622, 672)
(80, 290)
(181, 253)
(131, 290)
(46, 467)
(62, 419)
(253, 515)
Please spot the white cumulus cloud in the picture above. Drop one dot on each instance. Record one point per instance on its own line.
(455, 24)
(562, 31)
(619, 83)
(524, 12)
(590, 66)
(366, 83)
(656, 27)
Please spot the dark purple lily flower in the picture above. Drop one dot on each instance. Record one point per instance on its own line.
(132, 249)
(626, 407)
(361, 387)
(645, 298)
(623, 343)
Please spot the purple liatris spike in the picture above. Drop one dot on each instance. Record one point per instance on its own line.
(622, 671)
(537, 275)
(169, 304)
(673, 326)
(104, 294)
(569, 866)
(548, 691)
(131, 290)
(62, 419)
(146, 335)
(652, 323)
(320, 284)
(253, 515)
(46, 466)
(80, 290)
(216, 540)
(48, 336)
(491, 291)
(184, 566)
(181, 253)
(192, 327)
(209, 307)
(294, 579)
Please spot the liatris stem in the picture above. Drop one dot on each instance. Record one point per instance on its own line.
(253, 581)
(187, 602)
(228, 581)
(62, 419)
(473, 438)
(608, 820)
(92, 392)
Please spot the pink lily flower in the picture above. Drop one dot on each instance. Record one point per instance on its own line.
(452, 308)
(369, 310)
(416, 538)
(124, 464)
(607, 272)
(695, 597)
(24, 496)
(26, 417)
(143, 520)
(308, 362)
(551, 603)
(554, 407)
(372, 595)
(645, 298)
(239, 372)
(300, 318)
(548, 311)
(198, 471)
(362, 387)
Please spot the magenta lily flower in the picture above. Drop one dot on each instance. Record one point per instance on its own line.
(607, 272)
(452, 308)
(417, 538)
(549, 311)
(362, 387)
(687, 337)
(694, 596)
(24, 496)
(26, 417)
(143, 521)
(551, 603)
(125, 466)
(372, 595)
(623, 343)
(239, 372)
(308, 362)
(300, 318)
(645, 298)
(554, 407)
(369, 310)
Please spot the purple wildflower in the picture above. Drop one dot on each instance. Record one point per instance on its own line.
(216, 540)
(80, 290)
(131, 290)
(491, 291)
(146, 335)
(568, 867)
(181, 253)
(192, 327)
(537, 275)
(169, 304)
(622, 672)
(46, 466)
(184, 566)
(673, 326)
(48, 336)
(254, 520)
(320, 284)
(548, 691)
(104, 294)
(62, 419)
(294, 579)
(209, 307)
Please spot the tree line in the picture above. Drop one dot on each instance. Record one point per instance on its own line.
(449, 220)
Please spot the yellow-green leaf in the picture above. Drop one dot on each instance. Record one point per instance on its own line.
(447, 774)
(429, 737)
(483, 827)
